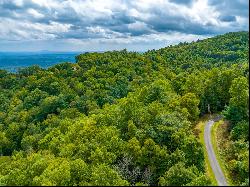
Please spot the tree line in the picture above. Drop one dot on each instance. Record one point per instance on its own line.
(125, 118)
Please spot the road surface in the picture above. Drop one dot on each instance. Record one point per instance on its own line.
(221, 180)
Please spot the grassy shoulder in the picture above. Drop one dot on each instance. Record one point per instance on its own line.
(219, 136)
(199, 131)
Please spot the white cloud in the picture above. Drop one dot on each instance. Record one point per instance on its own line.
(30, 31)
(119, 21)
(35, 13)
(18, 2)
(104, 32)
(137, 26)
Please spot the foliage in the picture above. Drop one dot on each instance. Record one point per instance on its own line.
(124, 118)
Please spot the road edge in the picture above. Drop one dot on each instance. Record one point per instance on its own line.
(219, 157)
(212, 156)
(200, 127)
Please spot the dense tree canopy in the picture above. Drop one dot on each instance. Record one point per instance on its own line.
(124, 118)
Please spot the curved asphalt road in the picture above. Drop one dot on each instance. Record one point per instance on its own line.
(211, 155)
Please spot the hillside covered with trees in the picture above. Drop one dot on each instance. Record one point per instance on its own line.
(125, 118)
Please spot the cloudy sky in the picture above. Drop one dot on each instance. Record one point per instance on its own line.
(100, 25)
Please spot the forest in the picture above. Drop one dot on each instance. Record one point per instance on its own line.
(125, 118)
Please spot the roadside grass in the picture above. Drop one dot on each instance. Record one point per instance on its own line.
(199, 132)
(218, 140)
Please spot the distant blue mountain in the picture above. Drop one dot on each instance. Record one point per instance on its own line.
(11, 61)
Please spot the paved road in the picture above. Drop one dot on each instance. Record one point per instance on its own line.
(221, 180)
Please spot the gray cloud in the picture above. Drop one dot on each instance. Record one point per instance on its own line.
(184, 2)
(179, 24)
(227, 18)
(231, 7)
(118, 20)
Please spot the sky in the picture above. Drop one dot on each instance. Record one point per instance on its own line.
(101, 25)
